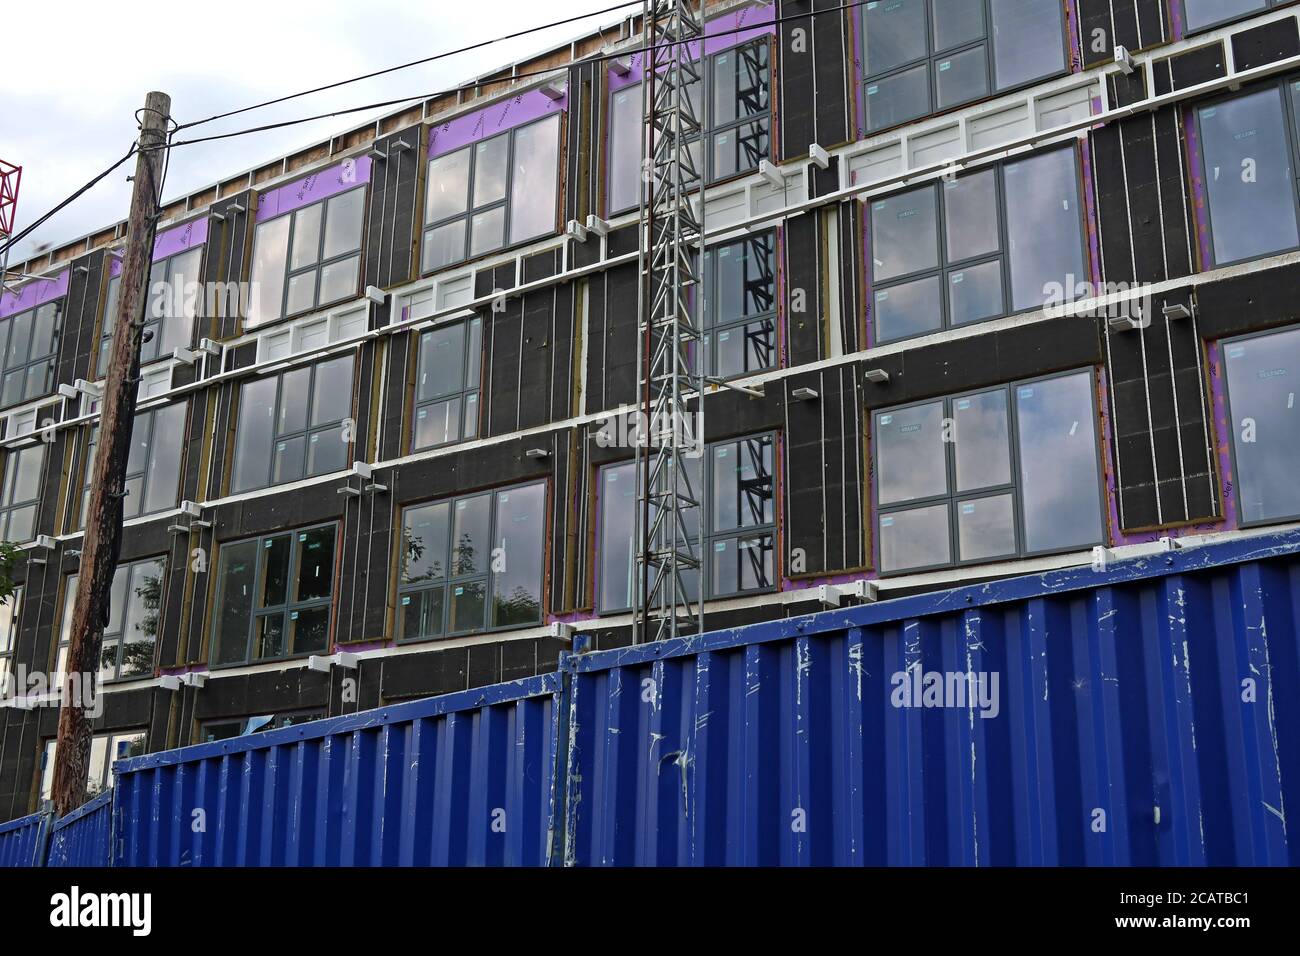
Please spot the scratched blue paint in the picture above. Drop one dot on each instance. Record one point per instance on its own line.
(1122, 736)
(84, 837)
(463, 779)
(22, 841)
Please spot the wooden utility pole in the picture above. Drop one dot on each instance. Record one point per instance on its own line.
(103, 537)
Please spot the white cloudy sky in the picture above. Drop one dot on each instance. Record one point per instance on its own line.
(76, 71)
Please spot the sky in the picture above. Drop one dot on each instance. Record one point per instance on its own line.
(67, 104)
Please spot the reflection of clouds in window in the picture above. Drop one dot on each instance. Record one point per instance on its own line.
(1264, 416)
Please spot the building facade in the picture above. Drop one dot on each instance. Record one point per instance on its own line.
(997, 295)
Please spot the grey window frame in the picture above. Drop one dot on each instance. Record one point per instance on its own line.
(953, 496)
(1290, 105)
(305, 433)
(932, 58)
(88, 458)
(152, 323)
(1190, 30)
(1232, 442)
(93, 788)
(944, 268)
(287, 607)
(31, 361)
(708, 129)
(709, 537)
(486, 577)
(321, 262)
(506, 202)
(69, 592)
(468, 361)
(7, 480)
(713, 327)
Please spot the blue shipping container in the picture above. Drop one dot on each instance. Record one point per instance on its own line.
(1147, 714)
(22, 841)
(84, 837)
(462, 779)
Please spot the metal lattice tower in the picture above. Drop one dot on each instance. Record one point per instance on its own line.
(670, 359)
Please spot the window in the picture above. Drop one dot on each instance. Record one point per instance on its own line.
(292, 425)
(8, 639)
(30, 341)
(1004, 239)
(1265, 422)
(740, 322)
(174, 285)
(105, 750)
(735, 480)
(473, 563)
(153, 466)
(226, 729)
(307, 259)
(274, 596)
(132, 631)
(495, 193)
(736, 123)
(1247, 158)
(20, 493)
(994, 474)
(1203, 14)
(926, 56)
(446, 389)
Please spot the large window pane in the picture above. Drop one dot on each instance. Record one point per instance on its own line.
(739, 83)
(975, 293)
(254, 433)
(746, 279)
(424, 543)
(895, 34)
(741, 564)
(270, 257)
(1028, 40)
(491, 167)
(742, 492)
(918, 538)
(1059, 480)
(908, 309)
(163, 470)
(236, 577)
(447, 190)
(618, 516)
(1249, 176)
(1203, 13)
(343, 223)
(956, 22)
(971, 215)
(1043, 226)
(315, 575)
(625, 149)
(904, 234)
(1265, 424)
(960, 78)
(982, 440)
(517, 578)
(533, 185)
(470, 544)
(306, 237)
(986, 528)
(442, 356)
(910, 456)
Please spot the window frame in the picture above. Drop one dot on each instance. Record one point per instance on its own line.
(88, 445)
(931, 61)
(944, 268)
(119, 636)
(152, 323)
(506, 203)
(7, 508)
(10, 616)
(45, 765)
(487, 576)
(1290, 95)
(306, 432)
(52, 357)
(707, 127)
(711, 325)
(953, 496)
(467, 363)
(708, 536)
(319, 265)
(1224, 344)
(257, 612)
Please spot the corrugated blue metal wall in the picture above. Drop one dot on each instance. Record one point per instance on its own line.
(461, 779)
(22, 841)
(1147, 715)
(84, 837)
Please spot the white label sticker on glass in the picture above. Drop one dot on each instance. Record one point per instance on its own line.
(886, 419)
(720, 546)
(406, 600)
(1236, 351)
(968, 509)
(963, 404)
(459, 591)
(1025, 393)
(886, 522)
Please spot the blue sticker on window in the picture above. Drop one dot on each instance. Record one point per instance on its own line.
(963, 404)
(720, 546)
(460, 591)
(886, 419)
(406, 600)
(1236, 351)
(886, 522)
(1025, 392)
(968, 509)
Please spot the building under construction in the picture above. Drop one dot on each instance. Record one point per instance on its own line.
(985, 287)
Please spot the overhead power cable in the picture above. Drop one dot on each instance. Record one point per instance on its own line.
(505, 79)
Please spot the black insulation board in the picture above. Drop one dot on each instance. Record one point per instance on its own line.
(611, 350)
(804, 254)
(815, 66)
(227, 257)
(1133, 24)
(79, 327)
(392, 216)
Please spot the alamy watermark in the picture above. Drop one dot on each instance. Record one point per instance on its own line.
(975, 690)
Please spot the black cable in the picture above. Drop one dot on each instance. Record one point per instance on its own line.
(20, 236)
(421, 62)
(513, 78)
